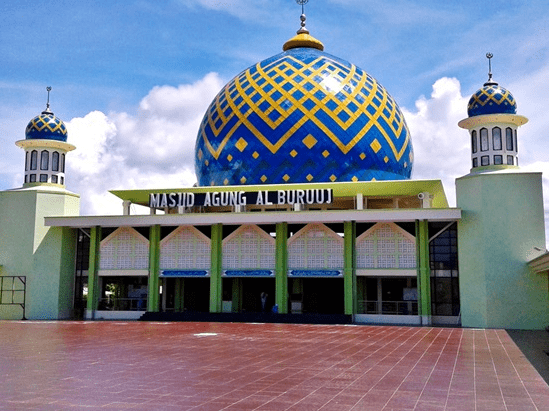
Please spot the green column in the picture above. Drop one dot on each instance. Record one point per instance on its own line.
(154, 269)
(424, 271)
(93, 280)
(216, 291)
(281, 269)
(349, 264)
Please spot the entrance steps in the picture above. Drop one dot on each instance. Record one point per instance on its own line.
(248, 317)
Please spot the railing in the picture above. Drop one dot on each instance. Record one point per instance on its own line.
(122, 304)
(13, 291)
(387, 307)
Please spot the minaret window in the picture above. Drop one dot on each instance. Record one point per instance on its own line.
(43, 178)
(475, 162)
(516, 145)
(33, 178)
(44, 160)
(62, 164)
(496, 138)
(483, 139)
(509, 139)
(55, 161)
(34, 160)
(498, 160)
(509, 160)
(26, 161)
(62, 180)
(485, 161)
(54, 179)
(474, 141)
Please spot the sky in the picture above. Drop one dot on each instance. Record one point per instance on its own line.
(132, 79)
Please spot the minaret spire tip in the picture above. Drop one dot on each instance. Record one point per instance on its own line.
(47, 110)
(490, 81)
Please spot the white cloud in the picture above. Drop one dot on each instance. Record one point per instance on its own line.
(441, 148)
(151, 148)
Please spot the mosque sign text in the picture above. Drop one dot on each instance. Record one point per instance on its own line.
(241, 198)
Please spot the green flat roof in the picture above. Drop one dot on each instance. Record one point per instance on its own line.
(344, 189)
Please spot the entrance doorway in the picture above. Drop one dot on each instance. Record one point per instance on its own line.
(316, 295)
(186, 294)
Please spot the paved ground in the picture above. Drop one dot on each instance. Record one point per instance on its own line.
(208, 366)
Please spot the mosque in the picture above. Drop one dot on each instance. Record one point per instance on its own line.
(304, 209)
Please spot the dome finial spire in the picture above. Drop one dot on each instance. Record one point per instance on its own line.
(490, 79)
(303, 29)
(47, 110)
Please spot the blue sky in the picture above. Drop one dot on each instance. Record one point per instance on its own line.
(132, 79)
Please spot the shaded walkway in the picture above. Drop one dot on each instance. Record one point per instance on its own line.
(227, 366)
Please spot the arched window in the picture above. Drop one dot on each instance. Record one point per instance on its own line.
(474, 141)
(483, 139)
(34, 160)
(509, 139)
(496, 138)
(44, 160)
(26, 161)
(516, 145)
(62, 163)
(55, 161)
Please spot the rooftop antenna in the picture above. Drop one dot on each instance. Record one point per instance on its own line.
(303, 29)
(47, 110)
(490, 79)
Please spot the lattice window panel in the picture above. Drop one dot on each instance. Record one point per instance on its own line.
(385, 247)
(315, 249)
(185, 250)
(124, 250)
(248, 250)
(386, 261)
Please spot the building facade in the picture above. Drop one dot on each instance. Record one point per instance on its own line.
(304, 207)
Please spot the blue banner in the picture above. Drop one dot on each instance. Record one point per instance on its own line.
(184, 273)
(315, 273)
(248, 273)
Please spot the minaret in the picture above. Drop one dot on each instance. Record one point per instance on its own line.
(43, 255)
(502, 221)
(45, 146)
(492, 125)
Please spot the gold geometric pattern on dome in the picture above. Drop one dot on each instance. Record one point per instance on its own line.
(225, 182)
(309, 141)
(362, 156)
(386, 159)
(255, 155)
(293, 153)
(333, 178)
(354, 179)
(488, 95)
(309, 177)
(241, 144)
(200, 154)
(286, 177)
(325, 153)
(263, 178)
(256, 91)
(375, 146)
(243, 180)
(229, 157)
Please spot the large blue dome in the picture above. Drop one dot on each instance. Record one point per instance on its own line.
(46, 127)
(302, 116)
(491, 99)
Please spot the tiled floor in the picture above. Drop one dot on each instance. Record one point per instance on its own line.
(208, 366)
